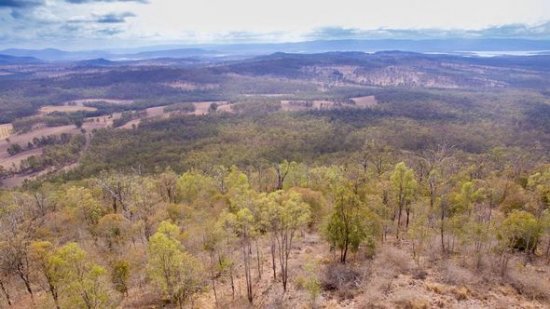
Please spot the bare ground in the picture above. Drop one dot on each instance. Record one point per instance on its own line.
(365, 102)
(65, 109)
(25, 138)
(390, 280)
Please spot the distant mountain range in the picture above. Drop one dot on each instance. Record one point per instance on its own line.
(7, 60)
(451, 46)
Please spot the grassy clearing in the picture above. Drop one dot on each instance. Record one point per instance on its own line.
(65, 109)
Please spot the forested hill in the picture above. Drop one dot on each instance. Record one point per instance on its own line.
(337, 180)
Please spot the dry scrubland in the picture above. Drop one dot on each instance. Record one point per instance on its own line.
(336, 180)
(390, 279)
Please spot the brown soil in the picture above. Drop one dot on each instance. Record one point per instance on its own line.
(65, 109)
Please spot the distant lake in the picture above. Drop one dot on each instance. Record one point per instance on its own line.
(495, 53)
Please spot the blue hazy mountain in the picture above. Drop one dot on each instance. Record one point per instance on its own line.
(460, 46)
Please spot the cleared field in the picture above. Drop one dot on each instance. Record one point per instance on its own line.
(25, 138)
(302, 105)
(65, 109)
(187, 86)
(5, 130)
(157, 111)
(99, 122)
(9, 161)
(201, 108)
(365, 102)
(228, 108)
(95, 100)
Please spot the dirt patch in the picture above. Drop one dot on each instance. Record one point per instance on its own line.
(365, 102)
(131, 124)
(25, 138)
(303, 105)
(8, 161)
(187, 86)
(5, 130)
(82, 102)
(227, 108)
(201, 108)
(157, 111)
(101, 122)
(65, 109)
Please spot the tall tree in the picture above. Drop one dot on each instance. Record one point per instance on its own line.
(285, 214)
(404, 187)
(350, 223)
(177, 273)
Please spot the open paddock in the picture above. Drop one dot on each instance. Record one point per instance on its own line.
(5, 130)
(65, 109)
(7, 161)
(25, 138)
(201, 108)
(303, 105)
(365, 102)
(83, 102)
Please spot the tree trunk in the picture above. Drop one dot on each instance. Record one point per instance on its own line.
(27, 283)
(5, 292)
(398, 221)
(246, 259)
(232, 283)
(212, 278)
(442, 231)
(408, 210)
(344, 253)
(258, 259)
(55, 297)
(273, 259)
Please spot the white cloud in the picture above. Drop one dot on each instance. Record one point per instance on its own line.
(153, 21)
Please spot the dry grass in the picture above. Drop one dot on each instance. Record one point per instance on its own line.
(410, 300)
(365, 102)
(23, 139)
(201, 108)
(65, 109)
(102, 100)
(302, 105)
(342, 279)
(5, 130)
(530, 284)
(188, 86)
(457, 275)
(395, 259)
(8, 161)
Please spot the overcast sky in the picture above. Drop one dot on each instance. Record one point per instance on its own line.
(84, 24)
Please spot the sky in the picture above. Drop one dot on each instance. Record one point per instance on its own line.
(101, 24)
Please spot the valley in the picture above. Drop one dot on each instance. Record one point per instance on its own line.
(326, 180)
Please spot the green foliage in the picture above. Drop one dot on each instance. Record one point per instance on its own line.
(114, 229)
(82, 201)
(350, 222)
(192, 186)
(284, 213)
(539, 183)
(176, 272)
(404, 187)
(83, 282)
(520, 231)
(120, 275)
